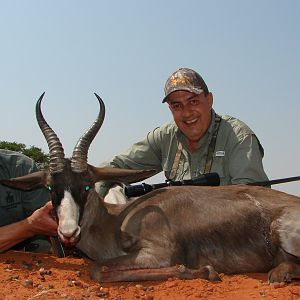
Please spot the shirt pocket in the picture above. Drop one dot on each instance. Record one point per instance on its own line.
(218, 166)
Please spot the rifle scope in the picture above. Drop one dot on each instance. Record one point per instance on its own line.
(209, 179)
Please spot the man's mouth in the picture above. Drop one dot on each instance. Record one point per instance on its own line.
(191, 122)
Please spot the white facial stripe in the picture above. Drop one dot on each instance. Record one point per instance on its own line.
(68, 215)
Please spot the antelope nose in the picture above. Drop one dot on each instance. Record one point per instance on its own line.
(69, 231)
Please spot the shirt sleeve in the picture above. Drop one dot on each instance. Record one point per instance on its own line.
(145, 154)
(245, 161)
(31, 200)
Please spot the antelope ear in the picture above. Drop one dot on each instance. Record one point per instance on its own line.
(27, 182)
(120, 175)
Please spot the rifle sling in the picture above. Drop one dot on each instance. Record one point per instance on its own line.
(212, 145)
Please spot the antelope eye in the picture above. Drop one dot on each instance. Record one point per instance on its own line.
(87, 188)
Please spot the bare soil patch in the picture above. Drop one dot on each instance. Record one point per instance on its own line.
(41, 276)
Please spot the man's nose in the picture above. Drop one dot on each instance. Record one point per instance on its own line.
(186, 110)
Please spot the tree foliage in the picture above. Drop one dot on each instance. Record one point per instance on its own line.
(37, 154)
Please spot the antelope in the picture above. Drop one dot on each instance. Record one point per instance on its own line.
(177, 231)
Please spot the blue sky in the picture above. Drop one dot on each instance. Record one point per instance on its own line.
(247, 51)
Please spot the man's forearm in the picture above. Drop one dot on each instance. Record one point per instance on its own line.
(12, 234)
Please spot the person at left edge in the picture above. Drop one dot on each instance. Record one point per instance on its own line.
(25, 216)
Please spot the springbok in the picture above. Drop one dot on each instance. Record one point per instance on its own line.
(185, 232)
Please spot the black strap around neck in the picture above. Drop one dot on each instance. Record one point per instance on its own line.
(212, 144)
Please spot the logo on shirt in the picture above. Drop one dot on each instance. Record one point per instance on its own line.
(9, 197)
(220, 153)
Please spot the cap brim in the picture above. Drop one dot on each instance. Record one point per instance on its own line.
(195, 91)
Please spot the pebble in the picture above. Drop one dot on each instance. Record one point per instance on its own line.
(43, 272)
(181, 268)
(28, 283)
(14, 277)
(42, 278)
(139, 286)
(262, 293)
(86, 294)
(78, 283)
(39, 262)
(8, 267)
(40, 287)
(102, 294)
(70, 283)
(27, 265)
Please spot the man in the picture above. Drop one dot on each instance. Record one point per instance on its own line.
(25, 217)
(197, 141)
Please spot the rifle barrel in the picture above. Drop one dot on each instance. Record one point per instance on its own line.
(274, 181)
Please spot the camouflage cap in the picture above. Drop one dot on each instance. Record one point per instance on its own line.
(185, 79)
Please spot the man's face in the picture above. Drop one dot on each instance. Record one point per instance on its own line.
(191, 113)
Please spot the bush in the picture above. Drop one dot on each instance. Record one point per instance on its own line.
(37, 154)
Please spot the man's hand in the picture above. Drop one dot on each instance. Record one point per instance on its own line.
(41, 221)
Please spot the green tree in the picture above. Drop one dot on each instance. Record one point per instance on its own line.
(13, 146)
(37, 154)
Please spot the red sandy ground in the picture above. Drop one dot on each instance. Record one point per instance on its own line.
(42, 276)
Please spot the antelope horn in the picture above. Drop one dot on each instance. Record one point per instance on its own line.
(57, 156)
(79, 156)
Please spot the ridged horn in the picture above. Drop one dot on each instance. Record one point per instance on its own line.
(80, 153)
(57, 156)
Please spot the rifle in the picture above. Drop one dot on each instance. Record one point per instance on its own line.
(209, 179)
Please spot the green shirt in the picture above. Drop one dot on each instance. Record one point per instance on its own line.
(16, 205)
(237, 156)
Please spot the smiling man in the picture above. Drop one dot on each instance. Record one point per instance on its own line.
(197, 141)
